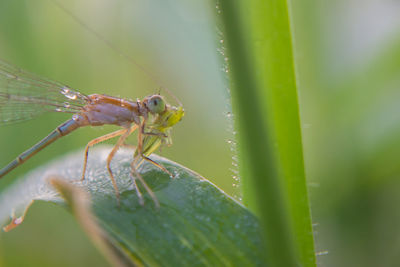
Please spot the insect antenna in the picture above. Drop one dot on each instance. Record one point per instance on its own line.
(172, 95)
(110, 44)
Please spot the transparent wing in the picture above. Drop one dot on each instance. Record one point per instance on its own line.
(24, 95)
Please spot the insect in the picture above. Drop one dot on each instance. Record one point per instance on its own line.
(24, 95)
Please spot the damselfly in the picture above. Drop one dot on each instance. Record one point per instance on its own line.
(24, 95)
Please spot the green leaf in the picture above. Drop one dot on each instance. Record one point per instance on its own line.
(259, 45)
(196, 225)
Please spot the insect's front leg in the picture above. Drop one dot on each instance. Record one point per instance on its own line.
(154, 132)
(144, 157)
(136, 175)
(157, 165)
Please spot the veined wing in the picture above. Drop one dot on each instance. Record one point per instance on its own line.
(24, 95)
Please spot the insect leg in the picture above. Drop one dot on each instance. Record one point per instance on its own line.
(155, 134)
(96, 141)
(156, 164)
(135, 174)
(120, 141)
(140, 152)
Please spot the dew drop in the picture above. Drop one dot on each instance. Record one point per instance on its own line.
(234, 171)
(18, 220)
(64, 90)
(68, 93)
(322, 253)
(71, 96)
(231, 142)
(67, 105)
(221, 51)
(58, 109)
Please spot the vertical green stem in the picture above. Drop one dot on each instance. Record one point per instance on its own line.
(259, 42)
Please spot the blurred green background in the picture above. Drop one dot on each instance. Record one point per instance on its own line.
(348, 66)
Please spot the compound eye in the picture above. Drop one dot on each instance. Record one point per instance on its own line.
(156, 104)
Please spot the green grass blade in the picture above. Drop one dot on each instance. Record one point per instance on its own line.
(259, 42)
(196, 225)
